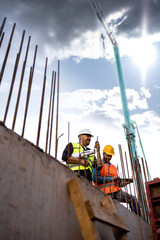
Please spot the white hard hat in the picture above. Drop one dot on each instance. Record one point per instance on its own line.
(85, 131)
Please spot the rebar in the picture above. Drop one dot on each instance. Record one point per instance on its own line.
(53, 96)
(56, 141)
(42, 100)
(129, 182)
(29, 90)
(7, 52)
(1, 40)
(49, 112)
(14, 76)
(20, 84)
(123, 171)
(2, 26)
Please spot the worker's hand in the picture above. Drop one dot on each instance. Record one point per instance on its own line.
(84, 162)
(97, 146)
(114, 178)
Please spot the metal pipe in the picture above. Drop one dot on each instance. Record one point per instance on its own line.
(20, 85)
(42, 100)
(14, 76)
(7, 52)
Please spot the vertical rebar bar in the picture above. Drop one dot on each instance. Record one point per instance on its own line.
(7, 52)
(129, 183)
(49, 112)
(1, 40)
(14, 76)
(56, 143)
(144, 197)
(29, 90)
(145, 177)
(2, 26)
(42, 100)
(20, 84)
(53, 96)
(123, 171)
(148, 175)
(138, 178)
(68, 142)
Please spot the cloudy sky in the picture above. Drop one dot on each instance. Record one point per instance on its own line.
(89, 91)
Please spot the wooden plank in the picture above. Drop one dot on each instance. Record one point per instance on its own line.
(106, 216)
(108, 204)
(87, 227)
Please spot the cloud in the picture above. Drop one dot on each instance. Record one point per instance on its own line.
(64, 28)
(103, 103)
(149, 120)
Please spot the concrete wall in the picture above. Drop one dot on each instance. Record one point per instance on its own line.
(34, 200)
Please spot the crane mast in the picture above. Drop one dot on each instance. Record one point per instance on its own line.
(129, 127)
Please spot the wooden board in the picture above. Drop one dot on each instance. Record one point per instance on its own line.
(100, 214)
(87, 227)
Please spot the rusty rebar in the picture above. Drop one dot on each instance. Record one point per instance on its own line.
(136, 189)
(129, 182)
(49, 112)
(2, 26)
(42, 100)
(29, 90)
(123, 171)
(147, 170)
(14, 76)
(68, 142)
(7, 52)
(56, 141)
(145, 177)
(1, 40)
(144, 197)
(53, 96)
(20, 84)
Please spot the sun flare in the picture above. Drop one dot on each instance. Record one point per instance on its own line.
(144, 54)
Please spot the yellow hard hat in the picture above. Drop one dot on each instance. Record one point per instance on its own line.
(108, 149)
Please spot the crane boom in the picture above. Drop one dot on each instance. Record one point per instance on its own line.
(129, 127)
(101, 18)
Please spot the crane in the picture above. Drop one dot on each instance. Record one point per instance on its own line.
(129, 126)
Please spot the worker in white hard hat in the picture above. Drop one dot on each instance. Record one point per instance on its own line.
(79, 157)
(108, 181)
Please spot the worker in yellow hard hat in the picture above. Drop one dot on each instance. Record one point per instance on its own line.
(108, 181)
(79, 157)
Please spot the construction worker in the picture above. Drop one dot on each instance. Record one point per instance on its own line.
(79, 157)
(107, 180)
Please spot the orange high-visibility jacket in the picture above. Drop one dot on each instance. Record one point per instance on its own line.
(108, 171)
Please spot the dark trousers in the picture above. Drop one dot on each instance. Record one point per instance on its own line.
(122, 196)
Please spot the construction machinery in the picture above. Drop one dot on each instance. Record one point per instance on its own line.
(129, 126)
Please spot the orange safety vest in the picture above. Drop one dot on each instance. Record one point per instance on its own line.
(108, 171)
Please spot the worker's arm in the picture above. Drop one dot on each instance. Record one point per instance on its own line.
(66, 156)
(98, 162)
(100, 180)
(67, 152)
(81, 161)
